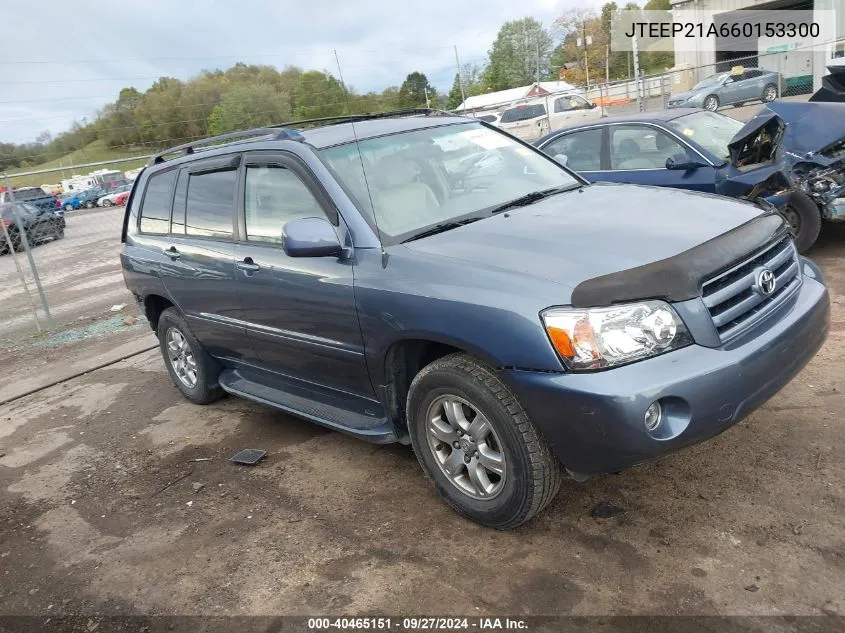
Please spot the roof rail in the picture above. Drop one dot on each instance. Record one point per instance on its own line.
(278, 133)
(365, 116)
(283, 131)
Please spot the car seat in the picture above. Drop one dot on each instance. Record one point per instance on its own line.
(402, 202)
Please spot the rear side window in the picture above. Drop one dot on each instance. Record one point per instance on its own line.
(155, 209)
(211, 203)
(29, 194)
(523, 113)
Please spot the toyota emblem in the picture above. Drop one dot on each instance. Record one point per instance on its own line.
(766, 282)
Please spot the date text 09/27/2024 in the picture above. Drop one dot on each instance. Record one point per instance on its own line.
(423, 623)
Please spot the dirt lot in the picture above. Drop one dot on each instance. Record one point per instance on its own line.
(102, 511)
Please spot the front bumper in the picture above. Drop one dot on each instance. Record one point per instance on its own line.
(594, 421)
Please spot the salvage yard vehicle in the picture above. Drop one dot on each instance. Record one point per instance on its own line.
(527, 121)
(791, 154)
(40, 225)
(503, 316)
(110, 199)
(730, 88)
(31, 195)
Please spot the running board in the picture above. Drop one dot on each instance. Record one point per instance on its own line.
(339, 412)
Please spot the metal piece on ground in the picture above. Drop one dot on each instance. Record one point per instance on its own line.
(249, 456)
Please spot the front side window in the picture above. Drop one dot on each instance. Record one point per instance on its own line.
(419, 179)
(211, 203)
(572, 102)
(274, 196)
(581, 149)
(641, 147)
(155, 208)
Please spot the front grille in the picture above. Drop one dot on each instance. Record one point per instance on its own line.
(732, 297)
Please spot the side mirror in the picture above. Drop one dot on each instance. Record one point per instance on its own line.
(563, 159)
(592, 105)
(310, 237)
(682, 161)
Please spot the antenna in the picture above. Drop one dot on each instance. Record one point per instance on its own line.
(360, 158)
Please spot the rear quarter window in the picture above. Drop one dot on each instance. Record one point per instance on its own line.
(155, 207)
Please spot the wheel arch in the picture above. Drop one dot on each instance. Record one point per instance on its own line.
(154, 305)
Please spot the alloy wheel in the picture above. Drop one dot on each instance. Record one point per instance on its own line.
(465, 447)
(711, 103)
(770, 94)
(181, 357)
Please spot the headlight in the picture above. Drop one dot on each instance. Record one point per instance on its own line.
(597, 338)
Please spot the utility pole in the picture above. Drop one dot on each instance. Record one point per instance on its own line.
(427, 103)
(460, 79)
(587, 40)
(607, 63)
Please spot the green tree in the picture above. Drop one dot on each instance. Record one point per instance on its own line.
(521, 48)
(249, 105)
(319, 95)
(412, 92)
(455, 96)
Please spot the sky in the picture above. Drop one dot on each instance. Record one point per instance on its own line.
(57, 70)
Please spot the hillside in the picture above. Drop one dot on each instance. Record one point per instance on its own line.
(91, 153)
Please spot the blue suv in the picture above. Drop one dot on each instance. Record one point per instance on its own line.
(428, 279)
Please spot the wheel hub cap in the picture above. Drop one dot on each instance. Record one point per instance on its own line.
(465, 447)
(181, 358)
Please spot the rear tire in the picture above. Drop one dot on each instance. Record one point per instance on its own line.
(770, 93)
(107, 203)
(191, 368)
(486, 458)
(805, 220)
(89, 205)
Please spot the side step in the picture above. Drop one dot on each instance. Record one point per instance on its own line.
(341, 412)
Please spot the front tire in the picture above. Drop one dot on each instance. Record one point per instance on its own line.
(711, 102)
(191, 368)
(89, 205)
(107, 203)
(804, 218)
(475, 442)
(68, 207)
(770, 93)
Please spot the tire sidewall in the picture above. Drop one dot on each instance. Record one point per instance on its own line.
(765, 92)
(202, 391)
(430, 385)
(712, 98)
(809, 217)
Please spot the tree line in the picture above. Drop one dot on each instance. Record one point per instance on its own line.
(173, 111)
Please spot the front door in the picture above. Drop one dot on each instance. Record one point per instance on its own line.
(299, 312)
(637, 154)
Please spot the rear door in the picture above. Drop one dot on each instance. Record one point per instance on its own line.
(198, 267)
(637, 154)
(581, 150)
(299, 312)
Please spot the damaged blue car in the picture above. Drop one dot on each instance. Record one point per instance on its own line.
(790, 154)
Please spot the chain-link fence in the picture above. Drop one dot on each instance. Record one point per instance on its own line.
(727, 85)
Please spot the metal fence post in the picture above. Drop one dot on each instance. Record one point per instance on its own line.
(14, 255)
(663, 92)
(28, 248)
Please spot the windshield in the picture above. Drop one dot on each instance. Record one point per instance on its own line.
(523, 113)
(710, 81)
(710, 130)
(423, 178)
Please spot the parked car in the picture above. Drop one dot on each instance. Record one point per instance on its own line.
(110, 199)
(121, 198)
(833, 83)
(40, 225)
(79, 199)
(792, 154)
(736, 89)
(32, 195)
(508, 321)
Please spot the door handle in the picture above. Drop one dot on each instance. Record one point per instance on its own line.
(172, 253)
(248, 266)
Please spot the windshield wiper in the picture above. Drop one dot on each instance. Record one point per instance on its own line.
(534, 196)
(440, 228)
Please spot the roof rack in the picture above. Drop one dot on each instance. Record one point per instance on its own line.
(283, 131)
(276, 132)
(365, 116)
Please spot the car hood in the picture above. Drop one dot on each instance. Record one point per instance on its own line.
(810, 127)
(684, 95)
(598, 230)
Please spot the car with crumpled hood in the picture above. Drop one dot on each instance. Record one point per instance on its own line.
(790, 154)
(506, 318)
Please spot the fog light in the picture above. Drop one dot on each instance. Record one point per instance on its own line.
(653, 416)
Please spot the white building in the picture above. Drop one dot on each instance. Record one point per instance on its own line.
(503, 98)
(801, 63)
